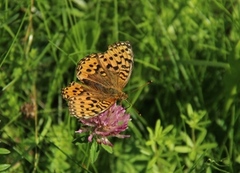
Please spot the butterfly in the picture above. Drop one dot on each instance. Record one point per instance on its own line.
(103, 77)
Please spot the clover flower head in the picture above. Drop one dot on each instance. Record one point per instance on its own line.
(107, 124)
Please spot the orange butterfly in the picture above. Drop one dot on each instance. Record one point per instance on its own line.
(103, 77)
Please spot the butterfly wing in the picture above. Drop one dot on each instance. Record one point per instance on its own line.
(90, 69)
(111, 69)
(85, 102)
(118, 61)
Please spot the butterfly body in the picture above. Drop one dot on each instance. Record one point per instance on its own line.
(102, 76)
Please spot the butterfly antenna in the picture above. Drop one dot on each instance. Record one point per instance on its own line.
(147, 83)
(130, 104)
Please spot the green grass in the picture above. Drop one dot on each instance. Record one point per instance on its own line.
(189, 114)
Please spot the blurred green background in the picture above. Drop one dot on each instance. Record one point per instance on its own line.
(186, 120)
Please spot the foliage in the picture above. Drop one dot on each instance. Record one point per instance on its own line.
(189, 114)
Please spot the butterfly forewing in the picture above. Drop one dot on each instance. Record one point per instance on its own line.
(90, 69)
(118, 62)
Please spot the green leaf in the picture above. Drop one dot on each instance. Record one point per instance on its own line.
(107, 148)
(3, 167)
(4, 151)
(183, 149)
(94, 152)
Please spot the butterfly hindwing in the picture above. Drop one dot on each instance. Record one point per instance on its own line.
(84, 102)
